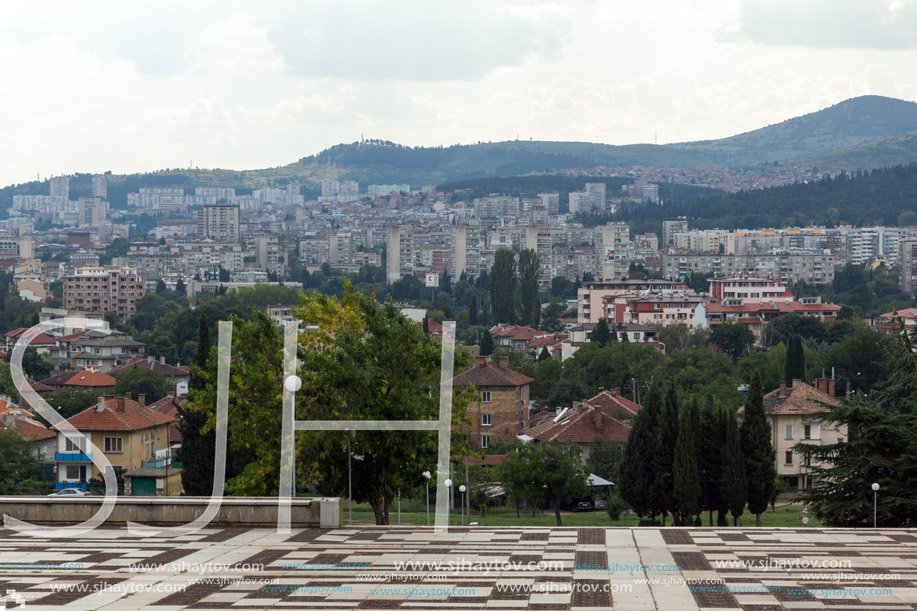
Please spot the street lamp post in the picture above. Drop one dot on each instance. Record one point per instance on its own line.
(462, 490)
(448, 483)
(427, 476)
(875, 503)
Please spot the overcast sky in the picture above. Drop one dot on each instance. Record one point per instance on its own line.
(91, 86)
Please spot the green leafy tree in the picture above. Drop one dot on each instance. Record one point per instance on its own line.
(201, 354)
(732, 338)
(161, 287)
(143, 381)
(71, 401)
(19, 472)
(34, 365)
(603, 458)
(557, 474)
(600, 334)
(180, 286)
(881, 447)
(686, 474)
(487, 344)
(503, 286)
(734, 488)
(795, 364)
(529, 303)
(760, 468)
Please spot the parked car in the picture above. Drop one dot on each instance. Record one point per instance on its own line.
(600, 503)
(583, 506)
(70, 492)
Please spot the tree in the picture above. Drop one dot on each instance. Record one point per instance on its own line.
(599, 333)
(18, 464)
(529, 304)
(34, 365)
(544, 354)
(143, 381)
(732, 338)
(795, 363)
(734, 489)
(603, 458)
(473, 312)
(180, 286)
(758, 450)
(160, 287)
(665, 454)
(487, 344)
(881, 447)
(201, 355)
(714, 421)
(686, 476)
(502, 286)
(636, 471)
(71, 401)
(547, 472)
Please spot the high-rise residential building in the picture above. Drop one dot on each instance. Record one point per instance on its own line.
(579, 201)
(100, 186)
(595, 192)
(616, 251)
(341, 249)
(907, 266)
(330, 188)
(92, 212)
(551, 201)
(60, 186)
(103, 289)
(672, 227)
(466, 251)
(218, 222)
(268, 254)
(399, 253)
(350, 187)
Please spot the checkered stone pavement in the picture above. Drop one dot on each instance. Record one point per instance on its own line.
(500, 569)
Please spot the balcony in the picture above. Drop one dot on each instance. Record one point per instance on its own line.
(62, 485)
(72, 457)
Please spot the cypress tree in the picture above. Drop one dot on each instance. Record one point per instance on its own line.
(710, 458)
(734, 487)
(613, 333)
(487, 344)
(180, 286)
(529, 303)
(544, 354)
(665, 456)
(759, 452)
(473, 312)
(599, 333)
(503, 287)
(795, 363)
(160, 287)
(426, 325)
(636, 471)
(200, 358)
(687, 490)
(197, 450)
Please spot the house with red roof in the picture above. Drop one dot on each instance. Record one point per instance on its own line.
(581, 425)
(128, 434)
(757, 315)
(19, 420)
(514, 337)
(890, 322)
(90, 379)
(42, 343)
(502, 409)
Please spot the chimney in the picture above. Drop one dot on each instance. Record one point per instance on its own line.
(480, 361)
(149, 359)
(822, 385)
(796, 382)
(162, 359)
(832, 387)
(601, 390)
(120, 407)
(504, 362)
(597, 412)
(781, 394)
(617, 391)
(100, 406)
(141, 399)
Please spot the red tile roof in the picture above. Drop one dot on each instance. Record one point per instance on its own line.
(614, 403)
(119, 414)
(148, 362)
(39, 340)
(489, 373)
(800, 399)
(38, 386)
(579, 426)
(91, 379)
(167, 406)
(905, 313)
(28, 428)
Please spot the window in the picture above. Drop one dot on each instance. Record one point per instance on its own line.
(485, 396)
(113, 444)
(789, 431)
(485, 419)
(485, 441)
(807, 431)
(79, 446)
(73, 472)
(789, 457)
(840, 440)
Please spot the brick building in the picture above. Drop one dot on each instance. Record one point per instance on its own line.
(502, 410)
(104, 289)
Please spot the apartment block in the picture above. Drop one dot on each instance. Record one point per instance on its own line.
(103, 289)
(399, 253)
(218, 222)
(671, 228)
(907, 266)
(811, 267)
(100, 186)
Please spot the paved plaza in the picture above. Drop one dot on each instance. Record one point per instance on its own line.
(503, 569)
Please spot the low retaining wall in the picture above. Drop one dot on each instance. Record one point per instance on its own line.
(260, 512)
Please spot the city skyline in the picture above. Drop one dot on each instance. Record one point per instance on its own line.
(104, 87)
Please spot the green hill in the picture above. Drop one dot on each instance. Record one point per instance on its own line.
(887, 152)
(848, 124)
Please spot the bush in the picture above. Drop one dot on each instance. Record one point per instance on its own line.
(615, 506)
